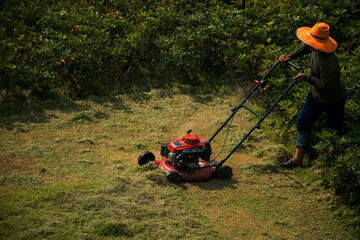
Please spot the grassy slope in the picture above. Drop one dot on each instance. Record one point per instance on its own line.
(69, 170)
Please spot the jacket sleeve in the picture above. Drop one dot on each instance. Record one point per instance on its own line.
(301, 51)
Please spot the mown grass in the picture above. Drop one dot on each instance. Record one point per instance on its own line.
(69, 171)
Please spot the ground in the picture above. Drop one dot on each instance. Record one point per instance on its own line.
(69, 171)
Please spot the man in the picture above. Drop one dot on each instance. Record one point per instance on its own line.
(327, 92)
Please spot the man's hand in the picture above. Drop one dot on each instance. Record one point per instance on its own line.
(300, 77)
(284, 58)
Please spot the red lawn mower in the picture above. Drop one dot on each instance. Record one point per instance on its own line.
(188, 159)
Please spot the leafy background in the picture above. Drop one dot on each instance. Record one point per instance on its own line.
(79, 48)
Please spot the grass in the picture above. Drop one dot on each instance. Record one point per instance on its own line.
(69, 171)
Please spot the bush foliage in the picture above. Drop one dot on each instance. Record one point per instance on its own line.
(81, 47)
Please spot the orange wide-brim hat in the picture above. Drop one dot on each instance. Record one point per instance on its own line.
(317, 37)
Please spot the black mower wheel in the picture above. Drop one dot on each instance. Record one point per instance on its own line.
(224, 172)
(146, 157)
(173, 177)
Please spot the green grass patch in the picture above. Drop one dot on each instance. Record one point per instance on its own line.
(73, 174)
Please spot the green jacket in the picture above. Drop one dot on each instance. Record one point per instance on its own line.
(326, 85)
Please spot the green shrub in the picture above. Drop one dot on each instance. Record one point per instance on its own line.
(339, 158)
(78, 48)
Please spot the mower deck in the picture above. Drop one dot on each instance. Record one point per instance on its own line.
(202, 174)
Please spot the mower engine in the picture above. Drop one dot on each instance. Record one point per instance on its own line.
(186, 152)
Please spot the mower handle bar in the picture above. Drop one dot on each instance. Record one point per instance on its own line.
(261, 84)
(263, 81)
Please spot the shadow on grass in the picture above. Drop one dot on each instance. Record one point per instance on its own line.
(13, 113)
(261, 169)
(217, 184)
(111, 102)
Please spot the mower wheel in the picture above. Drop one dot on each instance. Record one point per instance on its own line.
(173, 177)
(146, 157)
(224, 172)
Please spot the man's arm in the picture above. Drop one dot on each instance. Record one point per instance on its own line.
(301, 51)
(304, 49)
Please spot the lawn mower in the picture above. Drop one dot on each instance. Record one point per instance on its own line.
(188, 159)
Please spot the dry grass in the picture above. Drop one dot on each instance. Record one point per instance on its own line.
(69, 171)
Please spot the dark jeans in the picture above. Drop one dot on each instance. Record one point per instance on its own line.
(310, 112)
